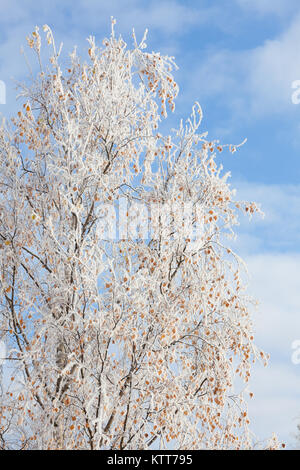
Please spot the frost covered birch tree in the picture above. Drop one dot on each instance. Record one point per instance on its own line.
(117, 341)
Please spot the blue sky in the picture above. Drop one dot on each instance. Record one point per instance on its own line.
(238, 58)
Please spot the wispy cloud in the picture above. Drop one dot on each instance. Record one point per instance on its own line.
(252, 81)
(265, 7)
(72, 22)
(272, 69)
(275, 406)
(275, 281)
(279, 230)
(270, 247)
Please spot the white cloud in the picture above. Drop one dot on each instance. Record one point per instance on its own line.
(275, 406)
(263, 7)
(279, 230)
(167, 16)
(253, 82)
(72, 22)
(272, 69)
(275, 282)
(270, 247)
